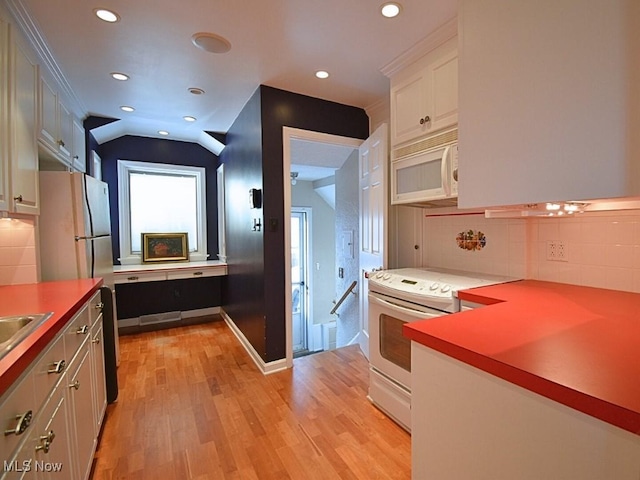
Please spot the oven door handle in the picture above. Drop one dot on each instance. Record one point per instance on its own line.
(408, 311)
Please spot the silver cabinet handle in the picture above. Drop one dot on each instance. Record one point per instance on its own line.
(75, 384)
(95, 340)
(18, 199)
(24, 421)
(132, 278)
(61, 143)
(57, 367)
(83, 330)
(197, 273)
(46, 441)
(99, 306)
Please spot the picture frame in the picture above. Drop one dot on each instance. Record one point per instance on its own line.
(165, 247)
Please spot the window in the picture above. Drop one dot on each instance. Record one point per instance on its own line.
(158, 198)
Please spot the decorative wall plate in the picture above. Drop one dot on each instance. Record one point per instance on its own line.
(471, 240)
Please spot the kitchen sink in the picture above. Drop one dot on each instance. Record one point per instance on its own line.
(16, 328)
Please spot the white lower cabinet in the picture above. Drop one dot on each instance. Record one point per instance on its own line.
(82, 406)
(64, 390)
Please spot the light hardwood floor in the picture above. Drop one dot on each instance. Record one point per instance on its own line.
(192, 405)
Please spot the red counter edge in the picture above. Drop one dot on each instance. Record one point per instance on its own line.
(26, 352)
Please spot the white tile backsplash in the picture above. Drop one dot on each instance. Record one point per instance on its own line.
(603, 247)
(17, 252)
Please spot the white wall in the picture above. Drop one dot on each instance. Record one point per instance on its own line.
(17, 252)
(322, 246)
(603, 247)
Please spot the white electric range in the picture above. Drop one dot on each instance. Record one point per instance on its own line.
(395, 298)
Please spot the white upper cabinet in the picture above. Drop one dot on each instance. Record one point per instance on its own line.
(58, 133)
(18, 148)
(78, 154)
(549, 101)
(424, 95)
(4, 115)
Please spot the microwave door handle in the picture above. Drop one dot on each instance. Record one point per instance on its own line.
(444, 171)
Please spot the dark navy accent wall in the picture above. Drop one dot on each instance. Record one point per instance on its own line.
(155, 150)
(255, 297)
(243, 294)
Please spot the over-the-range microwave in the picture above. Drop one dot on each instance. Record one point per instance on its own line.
(428, 177)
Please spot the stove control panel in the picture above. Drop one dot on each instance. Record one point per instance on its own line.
(412, 285)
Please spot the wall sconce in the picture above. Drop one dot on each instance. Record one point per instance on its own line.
(294, 178)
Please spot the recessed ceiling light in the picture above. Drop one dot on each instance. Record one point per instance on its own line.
(120, 76)
(196, 91)
(210, 42)
(189, 118)
(390, 9)
(127, 108)
(106, 15)
(164, 133)
(322, 74)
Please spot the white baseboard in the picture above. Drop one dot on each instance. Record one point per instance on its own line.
(265, 367)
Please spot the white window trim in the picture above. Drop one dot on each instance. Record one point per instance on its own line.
(124, 211)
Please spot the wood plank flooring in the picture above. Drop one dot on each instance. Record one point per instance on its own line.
(192, 405)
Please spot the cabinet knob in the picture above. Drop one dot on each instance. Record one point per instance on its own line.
(75, 384)
(99, 306)
(46, 441)
(83, 330)
(24, 421)
(57, 367)
(18, 199)
(76, 157)
(95, 340)
(425, 120)
(132, 278)
(416, 247)
(197, 273)
(61, 143)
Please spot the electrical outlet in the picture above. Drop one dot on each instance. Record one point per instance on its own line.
(562, 251)
(557, 251)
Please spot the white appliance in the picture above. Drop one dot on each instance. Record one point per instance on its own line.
(430, 176)
(397, 297)
(75, 232)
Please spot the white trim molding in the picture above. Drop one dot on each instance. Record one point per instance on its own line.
(265, 367)
(127, 257)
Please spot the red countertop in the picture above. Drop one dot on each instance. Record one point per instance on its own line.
(63, 298)
(579, 346)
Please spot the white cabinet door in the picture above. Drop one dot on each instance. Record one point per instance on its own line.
(79, 156)
(98, 380)
(546, 115)
(24, 150)
(424, 96)
(48, 116)
(81, 396)
(52, 439)
(65, 140)
(4, 115)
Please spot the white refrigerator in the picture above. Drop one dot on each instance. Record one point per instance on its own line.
(75, 235)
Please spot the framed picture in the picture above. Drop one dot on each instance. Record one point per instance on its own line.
(165, 247)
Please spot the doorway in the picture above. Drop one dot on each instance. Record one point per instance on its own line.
(300, 282)
(293, 139)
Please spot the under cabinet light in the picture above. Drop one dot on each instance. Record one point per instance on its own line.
(106, 15)
(390, 9)
(120, 76)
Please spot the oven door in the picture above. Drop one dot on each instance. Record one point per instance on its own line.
(389, 350)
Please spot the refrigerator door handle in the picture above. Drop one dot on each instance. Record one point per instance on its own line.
(90, 237)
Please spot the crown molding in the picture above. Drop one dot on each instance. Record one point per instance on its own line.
(29, 29)
(443, 33)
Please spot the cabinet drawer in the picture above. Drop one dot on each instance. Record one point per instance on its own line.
(140, 277)
(199, 273)
(76, 333)
(95, 307)
(13, 406)
(48, 369)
